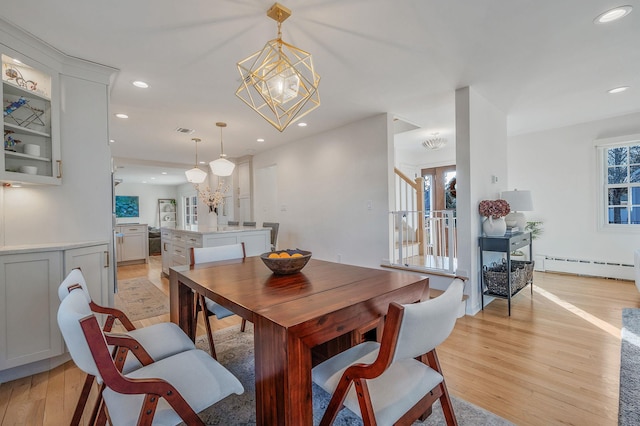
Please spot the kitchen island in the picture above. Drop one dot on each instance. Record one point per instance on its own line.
(176, 242)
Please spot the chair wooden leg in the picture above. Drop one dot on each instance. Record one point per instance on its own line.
(243, 325)
(207, 325)
(99, 414)
(82, 400)
(445, 399)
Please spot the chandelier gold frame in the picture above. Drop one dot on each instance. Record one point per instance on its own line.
(279, 82)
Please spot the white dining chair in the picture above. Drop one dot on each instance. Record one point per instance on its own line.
(161, 340)
(398, 379)
(202, 303)
(275, 226)
(168, 392)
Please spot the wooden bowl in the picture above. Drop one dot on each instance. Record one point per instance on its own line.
(286, 265)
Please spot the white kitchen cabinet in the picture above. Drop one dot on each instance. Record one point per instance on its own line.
(132, 244)
(29, 286)
(30, 122)
(30, 340)
(167, 250)
(94, 262)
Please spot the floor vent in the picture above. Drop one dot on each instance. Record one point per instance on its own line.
(594, 268)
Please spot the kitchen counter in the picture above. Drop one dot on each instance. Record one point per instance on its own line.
(38, 248)
(177, 242)
(203, 229)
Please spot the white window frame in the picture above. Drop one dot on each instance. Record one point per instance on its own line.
(602, 145)
(190, 218)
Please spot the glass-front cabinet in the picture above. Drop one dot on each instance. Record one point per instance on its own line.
(30, 118)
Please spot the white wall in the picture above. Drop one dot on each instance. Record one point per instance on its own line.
(323, 185)
(559, 167)
(481, 152)
(149, 195)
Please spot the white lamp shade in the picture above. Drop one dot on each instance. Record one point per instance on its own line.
(196, 175)
(222, 167)
(519, 201)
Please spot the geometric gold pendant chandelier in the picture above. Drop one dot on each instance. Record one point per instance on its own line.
(279, 82)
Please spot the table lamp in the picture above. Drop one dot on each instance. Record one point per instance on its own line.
(519, 201)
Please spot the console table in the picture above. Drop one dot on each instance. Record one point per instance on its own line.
(503, 244)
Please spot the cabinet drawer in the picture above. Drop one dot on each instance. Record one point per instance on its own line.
(518, 241)
(193, 241)
(178, 250)
(132, 229)
(178, 238)
(178, 260)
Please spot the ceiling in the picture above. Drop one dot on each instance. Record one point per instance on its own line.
(544, 63)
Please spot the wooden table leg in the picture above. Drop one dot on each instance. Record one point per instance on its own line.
(181, 305)
(283, 376)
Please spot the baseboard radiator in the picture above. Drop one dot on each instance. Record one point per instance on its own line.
(594, 268)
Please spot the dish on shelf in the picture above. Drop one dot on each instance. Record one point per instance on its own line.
(32, 149)
(30, 170)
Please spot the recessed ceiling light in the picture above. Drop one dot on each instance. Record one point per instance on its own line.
(302, 124)
(144, 181)
(152, 178)
(202, 162)
(140, 84)
(164, 173)
(613, 14)
(120, 115)
(618, 89)
(112, 140)
(260, 140)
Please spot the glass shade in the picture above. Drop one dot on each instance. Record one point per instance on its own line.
(281, 83)
(196, 175)
(222, 167)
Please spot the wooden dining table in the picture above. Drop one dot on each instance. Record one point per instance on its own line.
(292, 315)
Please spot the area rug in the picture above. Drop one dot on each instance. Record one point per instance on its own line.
(235, 352)
(139, 298)
(629, 408)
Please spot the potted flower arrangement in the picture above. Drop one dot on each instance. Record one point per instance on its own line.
(494, 212)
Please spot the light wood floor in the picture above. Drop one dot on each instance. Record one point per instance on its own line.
(554, 361)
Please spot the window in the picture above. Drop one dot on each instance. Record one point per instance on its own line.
(622, 184)
(191, 210)
(439, 188)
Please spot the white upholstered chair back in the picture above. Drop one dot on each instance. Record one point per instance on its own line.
(73, 308)
(427, 324)
(214, 254)
(74, 277)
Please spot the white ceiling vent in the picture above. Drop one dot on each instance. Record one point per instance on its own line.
(184, 130)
